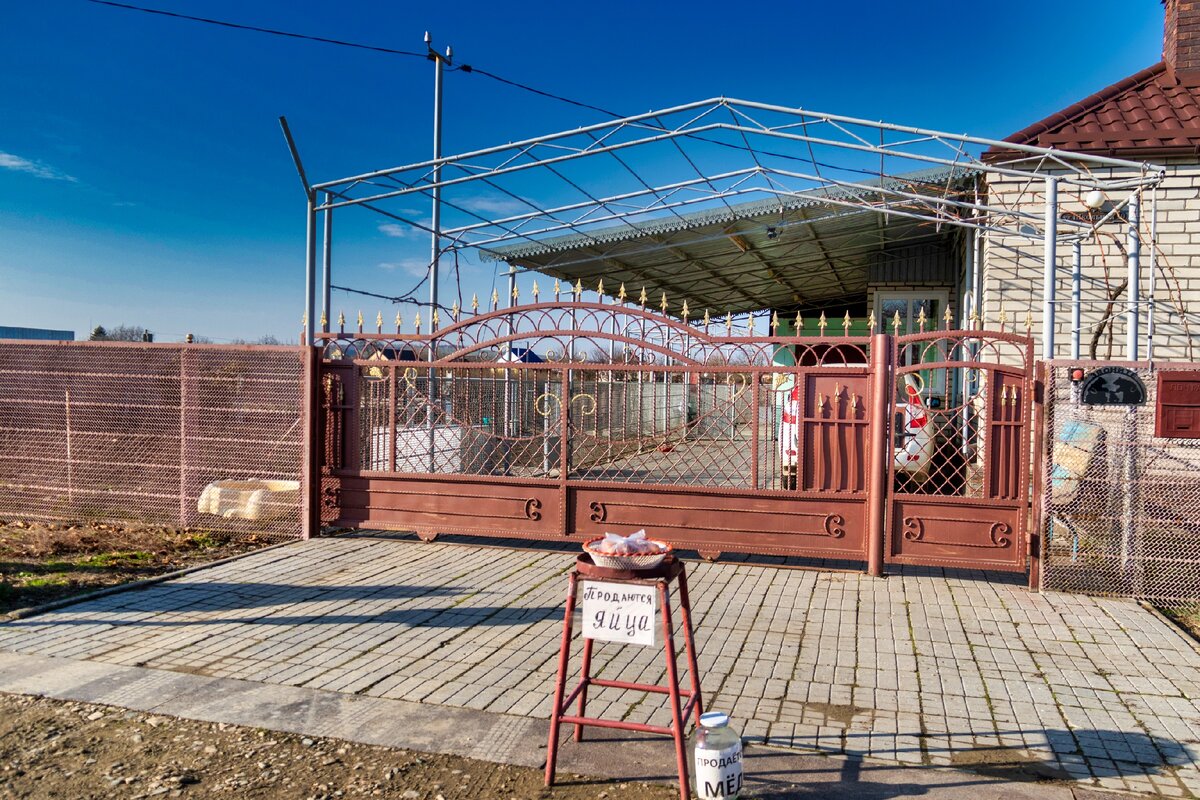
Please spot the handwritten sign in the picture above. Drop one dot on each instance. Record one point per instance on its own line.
(619, 612)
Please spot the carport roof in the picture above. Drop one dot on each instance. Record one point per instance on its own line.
(799, 249)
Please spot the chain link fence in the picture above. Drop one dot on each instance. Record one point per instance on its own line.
(190, 436)
(1121, 505)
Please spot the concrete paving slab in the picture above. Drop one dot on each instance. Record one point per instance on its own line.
(924, 667)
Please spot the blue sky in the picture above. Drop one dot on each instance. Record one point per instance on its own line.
(144, 179)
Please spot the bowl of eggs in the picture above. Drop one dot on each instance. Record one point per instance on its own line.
(633, 552)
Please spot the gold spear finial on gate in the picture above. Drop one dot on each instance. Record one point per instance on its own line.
(775, 324)
(399, 322)
(921, 320)
(799, 324)
(557, 289)
(750, 324)
(495, 299)
(324, 320)
(600, 287)
(417, 321)
(707, 319)
(304, 324)
(1003, 318)
(516, 293)
(474, 303)
(360, 322)
(974, 318)
(621, 294)
(341, 322)
(948, 317)
(729, 323)
(454, 309)
(1028, 322)
(846, 324)
(685, 311)
(822, 323)
(871, 321)
(578, 289)
(535, 291)
(642, 298)
(433, 321)
(379, 322)
(896, 323)
(663, 304)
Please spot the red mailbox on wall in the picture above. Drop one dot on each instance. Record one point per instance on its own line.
(1178, 407)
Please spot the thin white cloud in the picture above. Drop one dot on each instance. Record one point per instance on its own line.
(11, 161)
(393, 230)
(494, 205)
(416, 267)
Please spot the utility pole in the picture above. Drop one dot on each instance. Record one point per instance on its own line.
(439, 61)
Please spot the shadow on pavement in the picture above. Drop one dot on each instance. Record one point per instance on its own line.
(139, 608)
(985, 772)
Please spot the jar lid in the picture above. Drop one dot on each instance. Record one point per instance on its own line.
(714, 719)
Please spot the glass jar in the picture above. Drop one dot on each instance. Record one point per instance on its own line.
(716, 758)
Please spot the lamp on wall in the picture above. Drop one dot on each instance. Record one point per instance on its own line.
(1094, 200)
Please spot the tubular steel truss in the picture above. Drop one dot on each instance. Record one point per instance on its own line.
(792, 154)
(580, 196)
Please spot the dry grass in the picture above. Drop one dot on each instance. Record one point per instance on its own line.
(40, 562)
(1186, 617)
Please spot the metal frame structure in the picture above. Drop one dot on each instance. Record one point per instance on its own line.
(703, 156)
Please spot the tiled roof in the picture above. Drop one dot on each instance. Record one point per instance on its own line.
(1146, 114)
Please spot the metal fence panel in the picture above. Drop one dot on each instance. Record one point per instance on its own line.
(1121, 506)
(194, 436)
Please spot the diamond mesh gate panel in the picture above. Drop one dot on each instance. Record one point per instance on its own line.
(194, 436)
(1121, 507)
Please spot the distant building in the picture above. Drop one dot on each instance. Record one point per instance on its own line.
(7, 332)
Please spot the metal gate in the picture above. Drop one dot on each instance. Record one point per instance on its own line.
(569, 419)
(960, 496)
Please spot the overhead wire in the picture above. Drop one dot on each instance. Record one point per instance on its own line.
(467, 68)
(258, 29)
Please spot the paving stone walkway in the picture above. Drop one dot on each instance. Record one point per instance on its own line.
(918, 668)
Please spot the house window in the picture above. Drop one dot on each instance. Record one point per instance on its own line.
(909, 306)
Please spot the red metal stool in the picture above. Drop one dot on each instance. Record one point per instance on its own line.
(661, 577)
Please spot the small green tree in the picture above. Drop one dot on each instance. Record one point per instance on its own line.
(98, 334)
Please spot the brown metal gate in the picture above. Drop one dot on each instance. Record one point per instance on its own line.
(566, 420)
(969, 504)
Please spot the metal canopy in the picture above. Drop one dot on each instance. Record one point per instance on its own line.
(742, 257)
(681, 200)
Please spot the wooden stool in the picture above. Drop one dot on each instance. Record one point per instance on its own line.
(660, 577)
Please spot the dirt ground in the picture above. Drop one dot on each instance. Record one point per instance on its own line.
(1187, 618)
(54, 749)
(40, 562)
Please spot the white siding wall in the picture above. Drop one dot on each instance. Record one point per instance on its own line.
(1013, 270)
